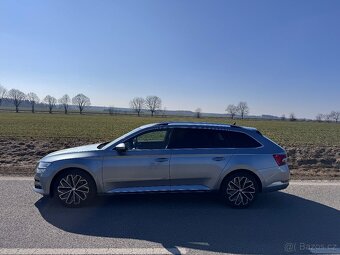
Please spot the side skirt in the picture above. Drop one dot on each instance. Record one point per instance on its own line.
(180, 188)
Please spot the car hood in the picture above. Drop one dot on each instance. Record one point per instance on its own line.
(79, 149)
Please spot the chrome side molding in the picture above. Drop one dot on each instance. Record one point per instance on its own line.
(160, 189)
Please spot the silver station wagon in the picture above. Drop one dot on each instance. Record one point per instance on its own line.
(239, 162)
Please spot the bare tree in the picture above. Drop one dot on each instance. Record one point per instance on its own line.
(137, 104)
(153, 103)
(51, 102)
(292, 117)
(283, 117)
(65, 101)
(231, 110)
(319, 117)
(33, 99)
(17, 96)
(81, 101)
(242, 109)
(3, 92)
(335, 115)
(198, 113)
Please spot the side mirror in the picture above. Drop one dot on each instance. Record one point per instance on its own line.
(121, 147)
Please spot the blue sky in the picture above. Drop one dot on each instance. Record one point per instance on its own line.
(279, 56)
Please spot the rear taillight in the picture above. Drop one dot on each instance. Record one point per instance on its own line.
(281, 159)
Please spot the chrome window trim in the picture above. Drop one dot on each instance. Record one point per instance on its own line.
(170, 128)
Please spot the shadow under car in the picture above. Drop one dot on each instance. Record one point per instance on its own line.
(201, 221)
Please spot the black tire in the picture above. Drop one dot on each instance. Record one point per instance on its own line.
(239, 190)
(74, 188)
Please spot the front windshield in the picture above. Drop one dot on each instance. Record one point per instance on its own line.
(125, 135)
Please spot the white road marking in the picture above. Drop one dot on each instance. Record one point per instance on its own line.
(315, 183)
(16, 178)
(94, 251)
(325, 250)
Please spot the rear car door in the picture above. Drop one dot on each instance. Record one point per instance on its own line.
(197, 158)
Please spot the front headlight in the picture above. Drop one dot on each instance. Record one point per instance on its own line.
(42, 167)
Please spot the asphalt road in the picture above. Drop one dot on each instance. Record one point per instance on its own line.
(303, 219)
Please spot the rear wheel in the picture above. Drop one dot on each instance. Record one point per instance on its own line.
(74, 188)
(239, 190)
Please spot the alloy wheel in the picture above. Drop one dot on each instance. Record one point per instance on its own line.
(72, 189)
(241, 191)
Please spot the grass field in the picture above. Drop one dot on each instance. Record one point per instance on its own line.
(106, 127)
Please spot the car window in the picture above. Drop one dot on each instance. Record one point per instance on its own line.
(241, 140)
(150, 140)
(191, 138)
(209, 138)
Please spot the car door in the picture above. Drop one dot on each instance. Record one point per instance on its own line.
(196, 158)
(144, 166)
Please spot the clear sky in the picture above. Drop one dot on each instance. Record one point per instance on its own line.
(279, 56)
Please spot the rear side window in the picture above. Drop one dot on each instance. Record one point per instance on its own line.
(190, 138)
(241, 140)
(182, 138)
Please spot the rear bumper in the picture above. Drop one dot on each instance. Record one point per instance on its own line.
(275, 178)
(275, 186)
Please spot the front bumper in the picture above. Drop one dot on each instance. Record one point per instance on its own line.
(38, 186)
(40, 191)
(275, 186)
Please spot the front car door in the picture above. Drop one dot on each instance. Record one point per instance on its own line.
(144, 166)
(197, 158)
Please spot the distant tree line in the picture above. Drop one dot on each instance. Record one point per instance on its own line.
(332, 116)
(291, 117)
(150, 103)
(18, 97)
(242, 110)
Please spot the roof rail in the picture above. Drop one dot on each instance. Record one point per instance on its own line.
(163, 124)
(235, 126)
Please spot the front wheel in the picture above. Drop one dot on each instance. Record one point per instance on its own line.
(74, 188)
(239, 190)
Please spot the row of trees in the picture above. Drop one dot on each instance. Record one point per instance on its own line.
(137, 104)
(17, 97)
(334, 115)
(151, 103)
(241, 109)
(154, 103)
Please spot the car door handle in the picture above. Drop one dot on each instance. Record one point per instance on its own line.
(161, 159)
(218, 158)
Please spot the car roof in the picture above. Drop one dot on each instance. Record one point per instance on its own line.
(202, 124)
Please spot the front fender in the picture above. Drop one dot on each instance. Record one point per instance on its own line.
(92, 166)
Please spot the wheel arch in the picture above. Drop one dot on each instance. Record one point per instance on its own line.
(68, 169)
